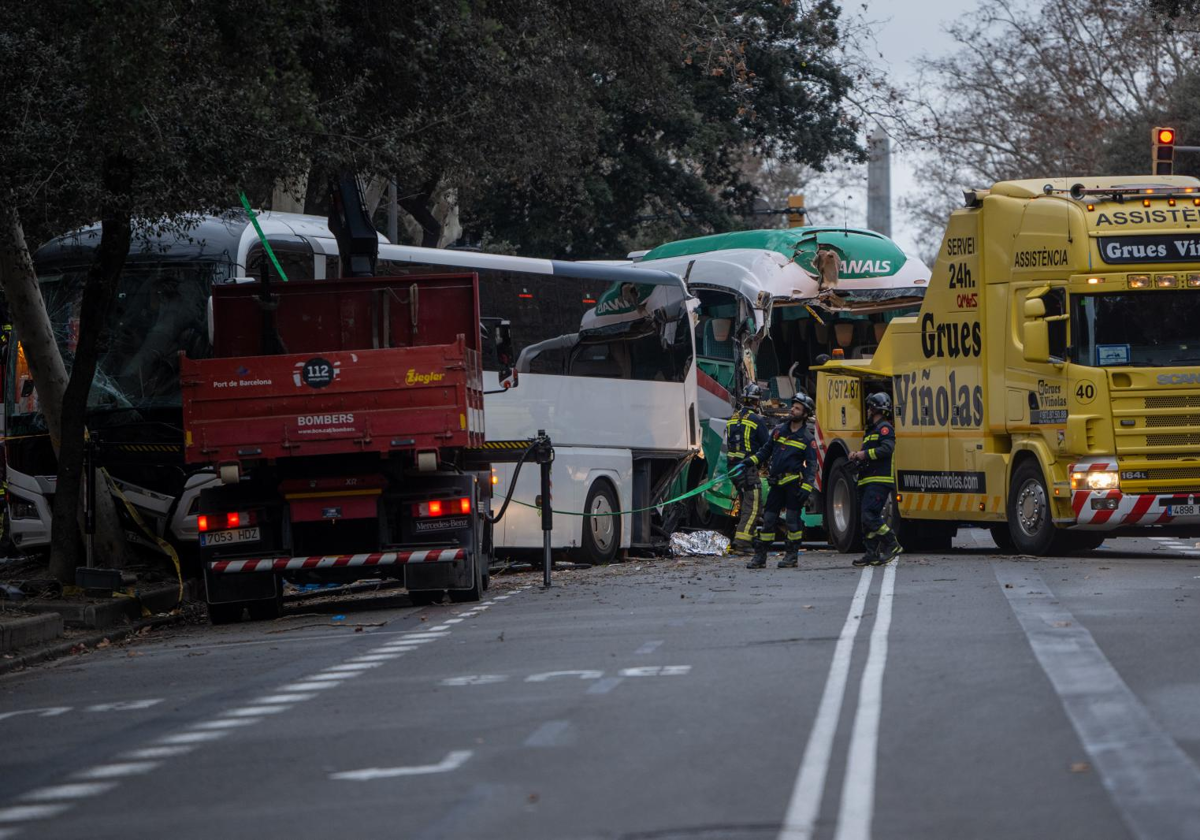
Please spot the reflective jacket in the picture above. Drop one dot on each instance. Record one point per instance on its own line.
(790, 456)
(879, 443)
(745, 434)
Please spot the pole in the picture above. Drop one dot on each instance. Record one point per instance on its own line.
(545, 457)
(393, 212)
(89, 500)
(879, 183)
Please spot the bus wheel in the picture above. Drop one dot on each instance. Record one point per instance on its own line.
(1029, 518)
(601, 533)
(841, 509)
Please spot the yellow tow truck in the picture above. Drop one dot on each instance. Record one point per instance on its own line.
(1049, 387)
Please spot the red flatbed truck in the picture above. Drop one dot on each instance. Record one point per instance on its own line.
(347, 455)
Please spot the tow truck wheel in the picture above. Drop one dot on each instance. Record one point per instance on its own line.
(601, 533)
(1029, 517)
(224, 613)
(841, 509)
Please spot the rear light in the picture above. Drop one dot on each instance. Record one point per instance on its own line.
(441, 507)
(233, 519)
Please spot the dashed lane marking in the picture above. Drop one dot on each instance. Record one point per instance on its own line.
(79, 790)
(451, 762)
(157, 752)
(251, 711)
(226, 723)
(20, 813)
(193, 737)
(605, 685)
(116, 771)
(552, 733)
(648, 648)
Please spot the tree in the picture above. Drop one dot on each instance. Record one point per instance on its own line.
(141, 144)
(1067, 88)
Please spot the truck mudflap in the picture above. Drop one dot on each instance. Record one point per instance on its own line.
(337, 561)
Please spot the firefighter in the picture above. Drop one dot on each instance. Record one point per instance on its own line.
(791, 460)
(875, 482)
(746, 433)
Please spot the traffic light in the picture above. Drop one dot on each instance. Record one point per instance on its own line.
(1162, 155)
(796, 214)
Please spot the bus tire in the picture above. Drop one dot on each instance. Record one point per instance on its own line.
(601, 534)
(841, 509)
(1029, 515)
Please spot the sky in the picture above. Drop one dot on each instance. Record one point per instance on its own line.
(905, 30)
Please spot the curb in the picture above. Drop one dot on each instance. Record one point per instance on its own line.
(23, 632)
(46, 654)
(110, 613)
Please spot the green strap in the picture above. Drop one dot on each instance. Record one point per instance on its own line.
(262, 237)
(708, 485)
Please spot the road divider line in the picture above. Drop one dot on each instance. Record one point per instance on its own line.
(116, 771)
(549, 734)
(226, 723)
(452, 761)
(157, 752)
(251, 711)
(20, 813)
(805, 804)
(858, 787)
(1153, 783)
(193, 737)
(309, 686)
(79, 790)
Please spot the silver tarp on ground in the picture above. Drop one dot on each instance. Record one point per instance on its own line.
(698, 544)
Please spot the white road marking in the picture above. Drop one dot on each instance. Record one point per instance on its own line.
(475, 679)
(285, 698)
(193, 737)
(549, 734)
(20, 813)
(605, 685)
(648, 648)
(454, 621)
(549, 675)
(378, 657)
(858, 787)
(115, 771)
(657, 671)
(441, 628)
(51, 711)
(309, 686)
(338, 677)
(124, 705)
(452, 761)
(352, 666)
(226, 723)
(805, 803)
(251, 711)
(78, 790)
(1152, 782)
(158, 752)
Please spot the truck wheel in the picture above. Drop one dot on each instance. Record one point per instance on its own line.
(1078, 542)
(1002, 536)
(425, 597)
(841, 509)
(601, 534)
(225, 613)
(1029, 519)
(265, 610)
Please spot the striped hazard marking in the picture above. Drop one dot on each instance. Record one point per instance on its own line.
(964, 502)
(335, 561)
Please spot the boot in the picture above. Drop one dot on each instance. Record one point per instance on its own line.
(889, 549)
(872, 554)
(759, 560)
(791, 559)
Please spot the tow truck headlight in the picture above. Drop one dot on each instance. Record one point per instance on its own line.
(1095, 480)
(1166, 281)
(1193, 281)
(1139, 281)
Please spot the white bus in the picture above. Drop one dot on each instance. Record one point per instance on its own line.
(619, 403)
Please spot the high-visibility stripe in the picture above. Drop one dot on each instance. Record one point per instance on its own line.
(795, 444)
(795, 536)
(337, 561)
(766, 536)
(875, 479)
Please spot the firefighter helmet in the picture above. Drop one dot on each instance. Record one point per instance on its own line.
(805, 400)
(752, 394)
(881, 402)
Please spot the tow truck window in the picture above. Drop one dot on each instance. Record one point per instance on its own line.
(1139, 329)
(1056, 304)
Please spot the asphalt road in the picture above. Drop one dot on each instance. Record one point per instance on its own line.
(958, 696)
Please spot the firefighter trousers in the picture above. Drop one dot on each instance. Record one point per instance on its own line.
(783, 497)
(750, 494)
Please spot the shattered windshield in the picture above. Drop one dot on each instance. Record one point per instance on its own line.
(160, 309)
(1139, 329)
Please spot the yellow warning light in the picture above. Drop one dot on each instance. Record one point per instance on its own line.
(1091, 207)
(1166, 136)
(1094, 281)
(1145, 202)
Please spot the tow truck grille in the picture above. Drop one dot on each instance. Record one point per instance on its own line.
(1179, 401)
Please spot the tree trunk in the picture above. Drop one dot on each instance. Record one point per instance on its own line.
(99, 292)
(419, 206)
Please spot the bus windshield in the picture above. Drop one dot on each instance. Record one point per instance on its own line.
(160, 309)
(1140, 329)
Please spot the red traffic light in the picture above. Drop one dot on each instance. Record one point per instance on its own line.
(1166, 136)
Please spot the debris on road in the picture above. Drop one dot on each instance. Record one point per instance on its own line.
(699, 544)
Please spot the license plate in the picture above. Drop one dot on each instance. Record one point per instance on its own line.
(235, 535)
(1181, 510)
